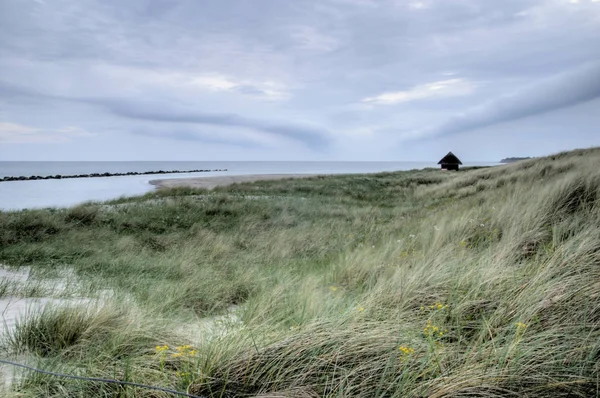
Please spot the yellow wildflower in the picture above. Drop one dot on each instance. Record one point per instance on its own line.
(437, 306)
(360, 309)
(333, 288)
(521, 326)
(161, 348)
(406, 350)
(431, 330)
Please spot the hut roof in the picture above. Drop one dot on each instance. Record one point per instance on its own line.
(450, 158)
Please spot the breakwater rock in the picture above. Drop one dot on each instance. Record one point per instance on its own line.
(95, 175)
(512, 160)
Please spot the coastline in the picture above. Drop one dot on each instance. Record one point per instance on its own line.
(218, 181)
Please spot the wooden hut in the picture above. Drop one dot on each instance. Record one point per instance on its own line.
(450, 162)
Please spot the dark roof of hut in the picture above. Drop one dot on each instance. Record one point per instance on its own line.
(450, 158)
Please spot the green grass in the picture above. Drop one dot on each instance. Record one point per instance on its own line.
(324, 280)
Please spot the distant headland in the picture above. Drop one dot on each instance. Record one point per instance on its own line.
(511, 160)
(94, 175)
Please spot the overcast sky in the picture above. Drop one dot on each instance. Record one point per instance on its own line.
(297, 79)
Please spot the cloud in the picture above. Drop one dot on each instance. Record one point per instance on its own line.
(357, 3)
(214, 136)
(311, 39)
(313, 137)
(268, 90)
(232, 72)
(181, 81)
(440, 89)
(11, 91)
(560, 91)
(13, 133)
(417, 5)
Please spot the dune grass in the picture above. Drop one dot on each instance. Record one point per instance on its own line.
(484, 282)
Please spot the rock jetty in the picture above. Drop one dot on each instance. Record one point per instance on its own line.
(94, 175)
(512, 160)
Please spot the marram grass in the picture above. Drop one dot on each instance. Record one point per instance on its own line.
(484, 282)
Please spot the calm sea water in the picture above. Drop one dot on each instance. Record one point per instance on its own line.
(17, 195)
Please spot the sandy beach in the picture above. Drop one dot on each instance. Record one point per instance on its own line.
(212, 182)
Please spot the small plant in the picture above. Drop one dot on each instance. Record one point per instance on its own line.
(433, 332)
(434, 307)
(183, 363)
(520, 328)
(405, 352)
(161, 352)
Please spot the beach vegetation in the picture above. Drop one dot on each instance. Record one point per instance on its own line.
(483, 282)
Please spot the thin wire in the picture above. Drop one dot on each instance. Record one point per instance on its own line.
(99, 380)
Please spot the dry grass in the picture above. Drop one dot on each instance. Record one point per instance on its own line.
(409, 284)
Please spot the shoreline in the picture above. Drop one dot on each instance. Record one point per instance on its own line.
(219, 181)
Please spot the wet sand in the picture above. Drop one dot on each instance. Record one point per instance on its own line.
(212, 182)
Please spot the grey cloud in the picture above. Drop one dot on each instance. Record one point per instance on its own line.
(561, 91)
(323, 56)
(481, 40)
(250, 90)
(190, 134)
(380, 45)
(312, 137)
(12, 91)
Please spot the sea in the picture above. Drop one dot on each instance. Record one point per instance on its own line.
(19, 195)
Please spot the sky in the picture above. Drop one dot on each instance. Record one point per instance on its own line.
(394, 80)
